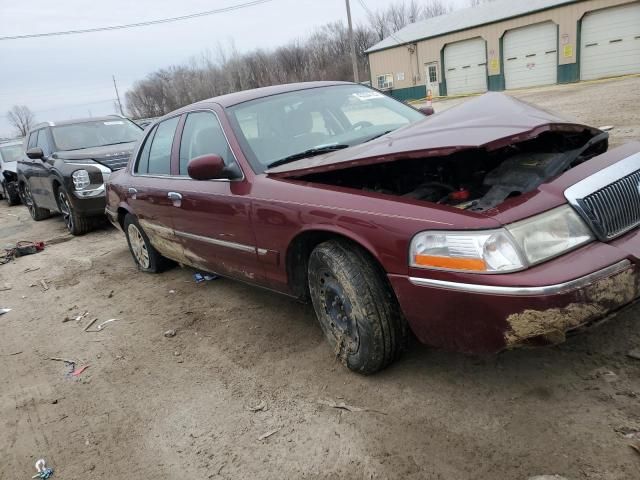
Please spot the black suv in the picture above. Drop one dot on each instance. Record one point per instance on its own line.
(67, 164)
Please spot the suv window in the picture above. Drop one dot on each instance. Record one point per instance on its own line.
(43, 142)
(33, 139)
(203, 135)
(160, 150)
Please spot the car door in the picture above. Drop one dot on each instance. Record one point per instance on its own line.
(43, 193)
(212, 217)
(33, 169)
(148, 193)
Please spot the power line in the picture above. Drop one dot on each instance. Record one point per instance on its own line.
(139, 24)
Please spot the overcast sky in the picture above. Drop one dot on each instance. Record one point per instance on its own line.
(70, 76)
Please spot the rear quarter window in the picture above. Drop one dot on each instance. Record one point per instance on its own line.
(159, 161)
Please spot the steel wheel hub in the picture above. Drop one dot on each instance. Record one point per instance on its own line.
(337, 307)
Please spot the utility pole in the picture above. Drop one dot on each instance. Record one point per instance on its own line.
(117, 95)
(354, 59)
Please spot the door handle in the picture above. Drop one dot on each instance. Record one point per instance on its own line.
(175, 198)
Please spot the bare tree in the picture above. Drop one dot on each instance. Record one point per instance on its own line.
(398, 15)
(475, 3)
(21, 118)
(323, 55)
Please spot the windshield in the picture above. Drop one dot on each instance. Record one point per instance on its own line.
(276, 127)
(95, 134)
(11, 153)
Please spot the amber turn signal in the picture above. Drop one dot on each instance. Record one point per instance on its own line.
(453, 263)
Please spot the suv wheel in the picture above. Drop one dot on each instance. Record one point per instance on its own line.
(76, 224)
(11, 198)
(36, 212)
(147, 258)
(356, 307)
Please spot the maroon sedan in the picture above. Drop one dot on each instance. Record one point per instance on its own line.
(488, 226)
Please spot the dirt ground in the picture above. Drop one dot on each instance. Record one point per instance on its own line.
(175, 408)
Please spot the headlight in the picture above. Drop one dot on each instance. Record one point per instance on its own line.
(489, 251)
(80, 179)
(550, 234)
(515, 247)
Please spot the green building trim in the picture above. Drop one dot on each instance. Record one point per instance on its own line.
(410, 93)
(495, 83)
(568, 73)
(443, 78)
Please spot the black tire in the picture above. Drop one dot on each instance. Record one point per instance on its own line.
(146, 257)
(356, 307)
(11, 198)
(36, 212)
(76, 223)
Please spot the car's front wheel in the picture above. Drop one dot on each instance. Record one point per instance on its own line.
(356, 307)
(76, 223)
(36, 212)
(147, 258)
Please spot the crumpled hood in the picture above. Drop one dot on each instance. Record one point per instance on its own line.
(98, 153)
(491, 121)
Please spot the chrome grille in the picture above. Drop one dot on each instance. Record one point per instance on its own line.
(615, 209)
(116, 163)
(609, 200)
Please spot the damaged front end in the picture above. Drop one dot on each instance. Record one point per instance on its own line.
(460, 158)
(594, 303)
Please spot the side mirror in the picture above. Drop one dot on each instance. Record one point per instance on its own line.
(35, 153)
(426, 110)
(207, 167)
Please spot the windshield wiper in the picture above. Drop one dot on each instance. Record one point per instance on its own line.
(378, 135)
(307, 153)
(116, 143)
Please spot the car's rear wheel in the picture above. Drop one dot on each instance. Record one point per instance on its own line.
(76, 223)
(11, 196)
(147, 258)
(36, 212)
(356, 307)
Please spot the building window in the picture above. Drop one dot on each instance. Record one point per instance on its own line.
(433, 73)
(385, 81)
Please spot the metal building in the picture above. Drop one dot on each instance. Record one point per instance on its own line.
(509, 44)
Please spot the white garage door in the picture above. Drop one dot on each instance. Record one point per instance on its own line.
(530, 56)
(465, 66)
(610, 43)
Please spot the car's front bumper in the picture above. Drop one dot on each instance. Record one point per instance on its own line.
(88, 207)
(503, 311)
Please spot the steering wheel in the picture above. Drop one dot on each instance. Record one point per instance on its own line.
(359, 125)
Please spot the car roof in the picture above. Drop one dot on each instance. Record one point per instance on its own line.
(235, 98)
(74, 121)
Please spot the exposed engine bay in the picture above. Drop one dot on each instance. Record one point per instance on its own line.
(474, 179)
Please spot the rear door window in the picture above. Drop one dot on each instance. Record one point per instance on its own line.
(203, 135)
(160, 150)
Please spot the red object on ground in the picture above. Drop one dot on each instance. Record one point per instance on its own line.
(78, 371)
